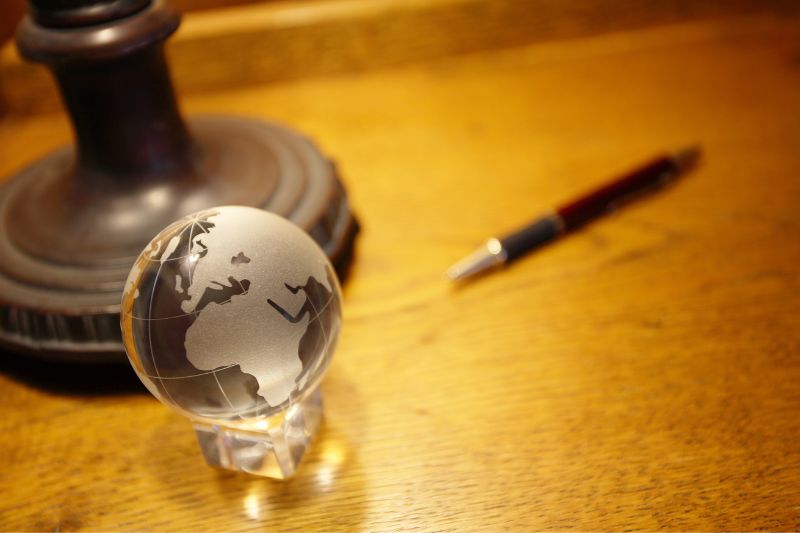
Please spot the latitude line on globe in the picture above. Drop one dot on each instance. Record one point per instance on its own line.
(157, 319)
(243, 412)
(195, 313)
(149, 258)
(315, 317)
(220, 369)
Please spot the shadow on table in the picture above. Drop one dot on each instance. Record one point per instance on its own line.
(72, 379)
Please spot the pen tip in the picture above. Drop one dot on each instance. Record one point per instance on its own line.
(484, 258)
(453, 274)
(459, 271)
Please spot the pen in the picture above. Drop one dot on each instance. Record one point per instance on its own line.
(500, 251)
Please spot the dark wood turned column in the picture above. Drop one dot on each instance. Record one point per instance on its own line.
(72, 223)
(111, 76)
(136, 89)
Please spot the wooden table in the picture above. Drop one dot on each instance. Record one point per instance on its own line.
(641, 374)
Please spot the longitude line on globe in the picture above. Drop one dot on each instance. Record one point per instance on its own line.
(246, 412)
(222, 390)
(191, 280)
(318, 316)
(150, 326)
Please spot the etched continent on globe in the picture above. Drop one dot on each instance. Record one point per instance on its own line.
(230, 313)
(250, 329)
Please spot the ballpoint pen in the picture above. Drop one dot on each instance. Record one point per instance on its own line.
(503, 250)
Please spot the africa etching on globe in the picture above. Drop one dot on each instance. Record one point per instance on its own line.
(250, 303)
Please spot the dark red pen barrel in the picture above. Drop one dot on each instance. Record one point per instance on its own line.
(597, 202)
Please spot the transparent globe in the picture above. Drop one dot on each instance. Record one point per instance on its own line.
(230, 316)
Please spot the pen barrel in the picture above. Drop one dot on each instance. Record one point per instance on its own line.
(601, 200)
(532, 236)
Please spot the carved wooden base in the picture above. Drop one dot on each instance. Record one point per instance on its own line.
(66, 244)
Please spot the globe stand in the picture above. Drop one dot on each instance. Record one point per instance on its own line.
(72, 223)
(272, 447)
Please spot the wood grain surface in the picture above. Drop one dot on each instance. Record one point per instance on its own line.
(12, 11)
(640, 374)
(262, 42)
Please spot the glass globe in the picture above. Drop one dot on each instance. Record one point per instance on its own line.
(230, 316)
